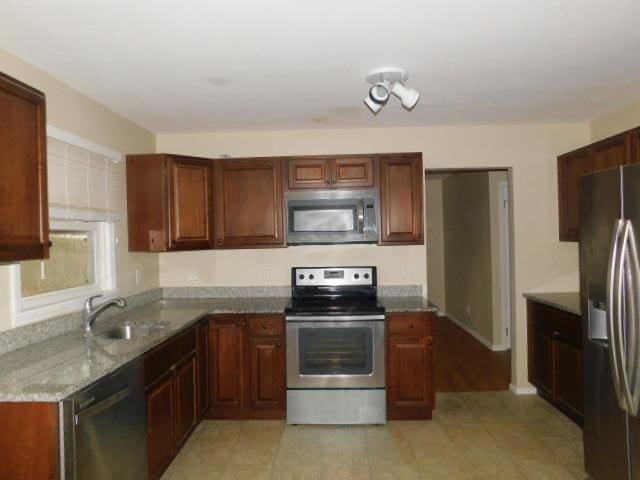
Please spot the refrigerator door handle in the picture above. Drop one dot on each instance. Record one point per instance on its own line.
(614, 310)
(632, 314)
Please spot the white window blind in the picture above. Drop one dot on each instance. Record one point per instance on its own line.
(83, 185)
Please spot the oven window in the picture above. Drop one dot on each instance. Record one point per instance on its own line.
(328, 218)
(336, 351)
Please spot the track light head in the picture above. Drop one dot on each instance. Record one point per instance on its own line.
(408, 96)
(378, 96)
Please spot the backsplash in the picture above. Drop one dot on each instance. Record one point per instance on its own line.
(29, 334)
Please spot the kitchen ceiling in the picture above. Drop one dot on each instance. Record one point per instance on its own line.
(202, 65)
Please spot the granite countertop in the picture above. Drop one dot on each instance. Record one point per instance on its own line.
(567, 301)
(407, 304)
(54, 369)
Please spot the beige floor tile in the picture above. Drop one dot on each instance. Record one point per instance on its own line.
(221, 430)
(254, 454)
(296, 472)
(390, 471)
(484, 455)
(529, 452)
(495, 472)
(245, 472)
(545, 471)
(196, 471)
(554, 429)
(206, 451)
(344, 472)
(577, 471)
(565, 451)
(442, 453)
(298, 454)
(450, 471)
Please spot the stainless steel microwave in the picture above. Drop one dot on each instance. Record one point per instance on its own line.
(332, 216)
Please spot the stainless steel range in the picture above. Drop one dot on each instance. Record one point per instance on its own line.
(335, 347)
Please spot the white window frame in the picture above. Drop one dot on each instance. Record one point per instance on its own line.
(34, 308)
(47, 305)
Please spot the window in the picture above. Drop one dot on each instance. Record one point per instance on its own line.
(83, 205)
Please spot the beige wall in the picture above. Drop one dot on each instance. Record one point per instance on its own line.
(71, 111)
(435, 242)
(616, 122)
(467, 257)
(541, 262)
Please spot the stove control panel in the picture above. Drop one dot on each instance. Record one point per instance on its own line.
(333, 276)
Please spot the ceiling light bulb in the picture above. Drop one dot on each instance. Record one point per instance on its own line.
(408, 96)
(373, 106)
(379, 92)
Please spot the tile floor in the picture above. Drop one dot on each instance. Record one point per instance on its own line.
(480, 435)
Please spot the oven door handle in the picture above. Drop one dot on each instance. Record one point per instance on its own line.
(334, 318)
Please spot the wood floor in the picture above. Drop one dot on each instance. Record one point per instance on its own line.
(463, 364)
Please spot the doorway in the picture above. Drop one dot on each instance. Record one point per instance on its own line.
(469, 245)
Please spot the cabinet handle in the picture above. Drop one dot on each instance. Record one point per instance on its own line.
(264, 327)
(238, 323)
(277, 344)
(411, 325)
(327, 182)
(219, 241)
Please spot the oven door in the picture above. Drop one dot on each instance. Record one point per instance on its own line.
(336, 353)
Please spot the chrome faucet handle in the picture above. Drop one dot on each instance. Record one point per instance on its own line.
(89, 303)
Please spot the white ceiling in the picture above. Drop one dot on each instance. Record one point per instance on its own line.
(200, 65)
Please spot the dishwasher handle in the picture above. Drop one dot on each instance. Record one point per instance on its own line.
(103, 405)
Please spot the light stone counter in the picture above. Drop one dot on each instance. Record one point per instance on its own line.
(567, 301)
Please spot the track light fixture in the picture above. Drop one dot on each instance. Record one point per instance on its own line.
(387, 81)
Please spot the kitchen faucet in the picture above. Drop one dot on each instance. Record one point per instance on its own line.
(89, 312)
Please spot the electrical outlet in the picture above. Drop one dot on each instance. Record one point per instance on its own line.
(404, 271)
(271, 273)
(193, 273)
(138, 277)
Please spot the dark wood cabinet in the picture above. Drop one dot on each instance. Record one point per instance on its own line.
(322, 172)
(24, 229)
(410, 382)
(401, 199)
(555, 357)
(172, 384)
(611, 152)
(160, 425)
(186, 398)
(308, 173)
(202, 354)
(247, 367)
(169, 202)
(248, 203)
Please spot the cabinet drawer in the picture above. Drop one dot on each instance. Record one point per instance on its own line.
(266, 325)
(556, 321)
(163, 357)
(409, 324)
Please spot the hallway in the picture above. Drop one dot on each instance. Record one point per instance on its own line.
(463, 364)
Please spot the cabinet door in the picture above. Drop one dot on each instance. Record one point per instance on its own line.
(226, 369)
(410, 389)
(611, 152)
(401, 185)
(160, 425)
(568, 373)
(202, 353)
(190, 203)
(186, 398)
(248, 206)
(306, 173)
(571, 167)
(266, 374)
(541, 359)
(24, 228)
(352, 172)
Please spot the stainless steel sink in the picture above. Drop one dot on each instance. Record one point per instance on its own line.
(131, 332)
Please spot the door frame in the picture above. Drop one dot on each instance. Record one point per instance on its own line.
(505, 261)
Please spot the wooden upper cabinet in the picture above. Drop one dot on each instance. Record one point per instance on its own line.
(248, 203)
(401, 198)
(169, 202)
(24, 229)
(190, 207)
(611, 152)
(322, 173)
(352, 172)
(571, 166)
(309, 173)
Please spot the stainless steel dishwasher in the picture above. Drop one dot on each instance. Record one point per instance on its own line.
(104, 428)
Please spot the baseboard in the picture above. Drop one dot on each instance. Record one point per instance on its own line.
(476, 335)
(524, 390)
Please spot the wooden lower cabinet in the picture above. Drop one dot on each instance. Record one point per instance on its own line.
(202, 358)
(160, 425)
(555, 357)
(410, 383)
(247, 369)
(173, 400)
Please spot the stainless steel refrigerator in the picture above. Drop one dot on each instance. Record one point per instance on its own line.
(610, 300)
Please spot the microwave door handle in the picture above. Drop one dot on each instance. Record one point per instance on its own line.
(361, 216)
